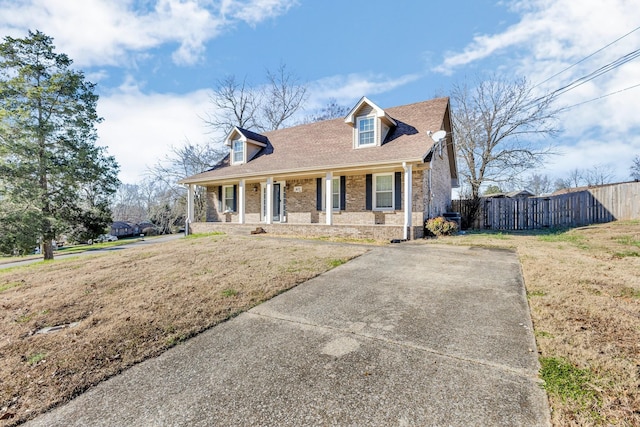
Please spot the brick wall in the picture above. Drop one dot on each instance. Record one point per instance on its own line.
(212, 204)
(441, 186)
(301, 206)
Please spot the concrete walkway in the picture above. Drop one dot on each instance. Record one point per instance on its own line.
(405, 335)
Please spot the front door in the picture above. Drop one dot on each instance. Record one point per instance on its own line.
(277, 203)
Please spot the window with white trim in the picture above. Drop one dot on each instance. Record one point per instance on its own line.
(366, 131)
(335, 194)
(238, 151)
(383, 191)
(228, 201)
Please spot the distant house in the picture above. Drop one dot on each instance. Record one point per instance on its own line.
(376, 173)
(124, 229)
(128, 229)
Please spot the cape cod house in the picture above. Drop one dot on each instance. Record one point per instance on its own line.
(377, 173)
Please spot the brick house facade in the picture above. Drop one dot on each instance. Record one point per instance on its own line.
(376, 169)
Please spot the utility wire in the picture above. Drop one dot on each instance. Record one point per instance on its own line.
(597, 73)
(600, 97)
(588, 56)
(584, 79)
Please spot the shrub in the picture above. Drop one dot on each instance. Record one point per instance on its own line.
(441, 227)
(150, 231)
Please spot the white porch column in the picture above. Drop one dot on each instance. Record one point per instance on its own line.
(190, 208)
(328, 197)
(269, 205)
(241, 201)
(408, 197)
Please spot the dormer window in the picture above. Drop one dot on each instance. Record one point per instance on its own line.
(238, 151)
(244, 145)
(366, 131)
(370, 124)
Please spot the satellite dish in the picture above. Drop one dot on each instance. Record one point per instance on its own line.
(439, 136)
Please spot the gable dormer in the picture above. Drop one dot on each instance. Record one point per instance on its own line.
(244, 145)
(370, 124)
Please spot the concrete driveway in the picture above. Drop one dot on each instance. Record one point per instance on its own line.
(405, 335)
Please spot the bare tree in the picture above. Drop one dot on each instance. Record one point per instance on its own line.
(575, 178)
(239, 104)
(599, 174)
(283, 97)
(595, 175)
(332, 110)
(129, 204)
(635, 168)
(169, 204)
(498, 126)
(234, 104)
(539, 184)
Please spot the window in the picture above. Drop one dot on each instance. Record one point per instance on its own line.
(229, 199)
(366, 131)
(337, 198)
(335, 194)
(238, 151)
(383, 194)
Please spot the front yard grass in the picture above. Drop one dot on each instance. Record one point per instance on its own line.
(583, 288)
(119, 308)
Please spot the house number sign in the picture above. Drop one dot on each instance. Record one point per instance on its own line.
(297, 189)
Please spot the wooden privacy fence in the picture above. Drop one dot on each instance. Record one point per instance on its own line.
(581, 207)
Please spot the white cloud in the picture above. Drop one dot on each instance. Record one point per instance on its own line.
(105, 32)
(347, 89)
(255, 11)
(139, 128)
(553, 35)
(587, 153)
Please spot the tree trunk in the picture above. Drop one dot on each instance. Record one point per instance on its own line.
(47, 249)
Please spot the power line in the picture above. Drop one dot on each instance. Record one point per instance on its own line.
(587, 78)
(600, 97)
(588, 56)
(597, 73)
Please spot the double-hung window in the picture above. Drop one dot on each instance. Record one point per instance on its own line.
(383, 193)
(337, 187)
(366, 131)
(335, 194)
(238, 151)
(229, 202)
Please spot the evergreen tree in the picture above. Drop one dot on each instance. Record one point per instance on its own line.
(51, 171)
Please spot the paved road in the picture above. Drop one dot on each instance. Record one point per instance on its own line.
(410, 334)
(89, 251)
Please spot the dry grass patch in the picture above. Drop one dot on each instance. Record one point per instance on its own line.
(131, 305)
(583, 287)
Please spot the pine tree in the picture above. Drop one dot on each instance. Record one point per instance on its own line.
(51, 170)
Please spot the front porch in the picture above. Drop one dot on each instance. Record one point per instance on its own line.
(382, 232)
(351, 204)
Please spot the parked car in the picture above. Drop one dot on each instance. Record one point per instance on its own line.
(105, 238)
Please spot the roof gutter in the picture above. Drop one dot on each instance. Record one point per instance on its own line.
(302, 171)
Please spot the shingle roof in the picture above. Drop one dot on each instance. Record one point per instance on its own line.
(252, 135)
(328, 145)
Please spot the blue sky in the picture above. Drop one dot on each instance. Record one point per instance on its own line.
(155, 62)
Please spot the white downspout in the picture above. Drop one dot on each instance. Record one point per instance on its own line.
(328, 198)
(190, 208)
(408, 197)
